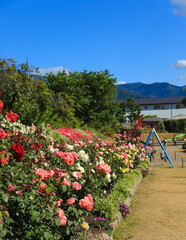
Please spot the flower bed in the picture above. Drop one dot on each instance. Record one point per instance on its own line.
(49, 186)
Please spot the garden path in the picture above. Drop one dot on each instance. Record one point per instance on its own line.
(158, 210)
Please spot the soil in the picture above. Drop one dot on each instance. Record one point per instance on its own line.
(158, 210)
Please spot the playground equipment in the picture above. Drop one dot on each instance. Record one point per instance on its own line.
(148, 139)
(179, 136)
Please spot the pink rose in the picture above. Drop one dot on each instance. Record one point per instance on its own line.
(62, 217)
(59, 154)
(19, 193)
(33, 128)
(70, 201)
(65, 182)
(77, 175)
(59, 202)
(104, 167)
(76, 186)
(87, 202)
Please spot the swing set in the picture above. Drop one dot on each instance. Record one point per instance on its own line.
(156, 135)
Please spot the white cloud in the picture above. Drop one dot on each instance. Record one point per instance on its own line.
(183, 77)
(181, 10)
(181, 64)
(120, 83)
(54, 70)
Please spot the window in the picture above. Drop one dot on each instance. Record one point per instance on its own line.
(157, 107)
(177, 106)
(145, 107)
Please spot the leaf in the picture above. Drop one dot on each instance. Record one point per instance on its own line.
(7, 213)
(9, 220)
(50, 189)
(5, 197)
(64, 187)
(46, 235)
(14, 171)
(33, 212)
(57, 222)
(3, 146)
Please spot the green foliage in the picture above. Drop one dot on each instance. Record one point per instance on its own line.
(162, 127)
(109, 206)
(149, 116)
(92, 94)
(133, 109)
(175, 125)
(31, 99)
(120, 112)
(103, 223)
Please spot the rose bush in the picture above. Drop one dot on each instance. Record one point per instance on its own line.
(48, 186)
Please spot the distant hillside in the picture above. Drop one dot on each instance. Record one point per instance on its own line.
(140, 90)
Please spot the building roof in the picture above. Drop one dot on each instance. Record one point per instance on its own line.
(161, 100)
(152, 120)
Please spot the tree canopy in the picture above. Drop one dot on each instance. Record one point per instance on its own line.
(74, 99)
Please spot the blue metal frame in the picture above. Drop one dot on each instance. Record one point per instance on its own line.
(149, 137)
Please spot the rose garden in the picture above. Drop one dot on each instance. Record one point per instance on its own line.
(53, 179)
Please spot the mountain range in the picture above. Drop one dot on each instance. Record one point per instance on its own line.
(143, 90)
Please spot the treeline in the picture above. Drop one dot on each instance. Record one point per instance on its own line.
(74, 99)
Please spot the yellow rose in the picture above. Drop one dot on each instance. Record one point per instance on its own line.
(85, 226)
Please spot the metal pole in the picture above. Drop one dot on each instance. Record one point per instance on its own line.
(149, 137)
(163, 148)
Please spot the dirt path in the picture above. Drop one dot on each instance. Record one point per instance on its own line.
(158, 210)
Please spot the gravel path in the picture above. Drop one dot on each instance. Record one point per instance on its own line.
(158, 210)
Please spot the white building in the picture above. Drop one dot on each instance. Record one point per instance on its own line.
(164, 107)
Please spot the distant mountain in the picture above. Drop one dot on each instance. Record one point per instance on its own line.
(141, 90)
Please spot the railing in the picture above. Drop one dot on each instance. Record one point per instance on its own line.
(178, 150)
(182, 159)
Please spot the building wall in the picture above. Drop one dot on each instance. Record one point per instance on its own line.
(162, 106)
(164, 113)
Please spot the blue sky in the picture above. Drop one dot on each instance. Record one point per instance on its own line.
(136, 40)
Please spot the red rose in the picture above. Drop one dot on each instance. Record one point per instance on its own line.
(19, 151)
(42, 188)
(2, 160)
(11, 117)
(2, 133)
(10, 188)
(39, 145)
(1, 105)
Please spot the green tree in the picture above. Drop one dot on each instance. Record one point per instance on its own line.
(13, 80)
(133, 109)
(29, 98)
(93, 94)
(120, 112)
